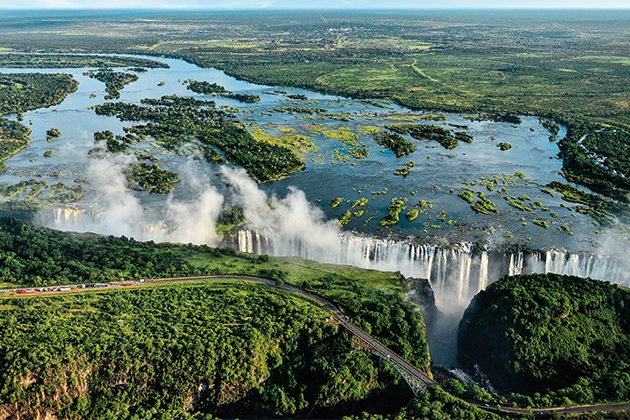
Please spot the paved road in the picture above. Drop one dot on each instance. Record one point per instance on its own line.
(548, 412)
(376, 345)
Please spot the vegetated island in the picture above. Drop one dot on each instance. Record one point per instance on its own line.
(173, 121)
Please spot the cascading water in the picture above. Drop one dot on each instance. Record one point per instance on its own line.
(456, 271)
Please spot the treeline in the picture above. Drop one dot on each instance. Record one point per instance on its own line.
(186, 350)
(174, 120)
(599, 157)
(565, 337)
(114, 81)
(32, 256)
(89, 351)
(444, 136)
(13, 138)
(208, 88)
(74, 61)
(25, 91)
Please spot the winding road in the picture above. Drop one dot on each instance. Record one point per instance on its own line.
(405, 368)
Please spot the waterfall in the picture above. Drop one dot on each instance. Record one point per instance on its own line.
(456, 271)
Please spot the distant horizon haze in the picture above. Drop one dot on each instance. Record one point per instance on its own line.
(287, 5)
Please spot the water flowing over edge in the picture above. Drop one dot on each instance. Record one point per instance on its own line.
(456, 271)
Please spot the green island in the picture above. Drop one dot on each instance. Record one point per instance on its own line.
(504, 146)
(395, 142)
(114, 81)
(174, 121)
(558, 340)
(444, 136)
(208, 88)
(396, 206)
(152, 178)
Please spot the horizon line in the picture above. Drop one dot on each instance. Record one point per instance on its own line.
(284, 9)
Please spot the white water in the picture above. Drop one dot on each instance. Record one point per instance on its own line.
(456, 271)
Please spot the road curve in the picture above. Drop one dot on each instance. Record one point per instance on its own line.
(376, 345)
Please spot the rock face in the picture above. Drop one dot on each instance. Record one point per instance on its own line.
(546, 332)
(419, 292)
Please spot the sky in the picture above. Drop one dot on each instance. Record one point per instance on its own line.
(309, 4)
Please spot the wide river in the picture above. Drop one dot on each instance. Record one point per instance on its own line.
(437, 177)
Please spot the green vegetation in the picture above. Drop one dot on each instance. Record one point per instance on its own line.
(92, 352)
(484, 205)
(336, 201)
(286, 138)
(208, 88)
(193, 333)
(53, 132)
(603, 210)
(49, 153)
(114, 81)
(395, 142)
(151, 177)
(496, 116)
(118, 143)
(467, 194)
(412, 214)
(541, 222)
(396, 206)
(552, 127)
(355, 148)
(404, 171)
(74, 61)
(598, 156)
(174, 121)
(23, 92)
(13, 138)
(504, 146)
(442, 135)
(435, 404)
(547, 332)
(30, 193)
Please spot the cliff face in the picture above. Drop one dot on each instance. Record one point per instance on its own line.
(545, 332)
(419, 292)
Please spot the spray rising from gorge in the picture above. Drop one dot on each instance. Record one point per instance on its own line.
(291, 226)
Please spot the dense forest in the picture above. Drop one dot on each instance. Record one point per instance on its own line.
(34, 256)
(598, 156)
(223, 349)
(114, 81)
(100, 373)
(46, 61)
(546, 333)
(23, 92)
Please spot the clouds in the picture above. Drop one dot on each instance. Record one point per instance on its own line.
(303, 4)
